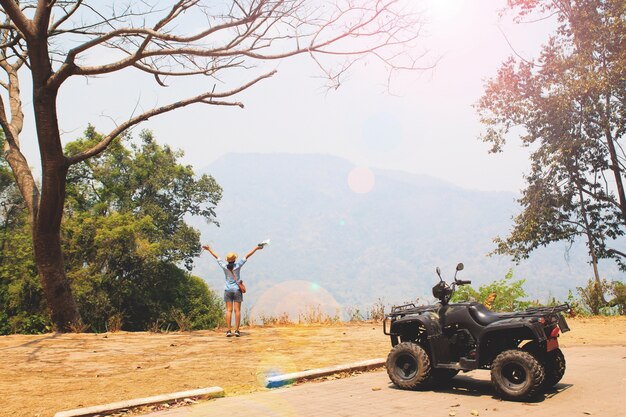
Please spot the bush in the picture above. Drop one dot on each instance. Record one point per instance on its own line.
(618, 291)
(30, 324)
(508, 294)
(593, 295)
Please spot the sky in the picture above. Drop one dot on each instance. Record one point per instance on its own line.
(423, 124)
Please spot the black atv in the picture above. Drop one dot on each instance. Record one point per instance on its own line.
(431, 344)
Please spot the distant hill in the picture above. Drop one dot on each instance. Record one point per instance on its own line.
(335, 248)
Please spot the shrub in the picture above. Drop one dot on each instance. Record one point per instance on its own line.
(509, 294)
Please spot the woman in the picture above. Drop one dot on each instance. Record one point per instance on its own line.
(232, 293)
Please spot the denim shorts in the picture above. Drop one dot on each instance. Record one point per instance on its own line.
(230, 296)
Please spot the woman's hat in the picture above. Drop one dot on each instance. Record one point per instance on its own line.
(230, 257)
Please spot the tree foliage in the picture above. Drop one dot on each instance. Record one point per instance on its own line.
(569, 107)
(124, 237)
(22, 308)
(124, 233)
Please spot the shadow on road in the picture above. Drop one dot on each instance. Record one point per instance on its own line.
(466, 385)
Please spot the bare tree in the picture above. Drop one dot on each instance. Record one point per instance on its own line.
(51, 41)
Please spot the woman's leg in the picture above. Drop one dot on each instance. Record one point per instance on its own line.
(237, 314)
(229, 312)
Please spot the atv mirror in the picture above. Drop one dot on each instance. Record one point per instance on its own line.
(438, 272)
(460, 266)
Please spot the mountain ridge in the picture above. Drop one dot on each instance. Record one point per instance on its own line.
(358, 248)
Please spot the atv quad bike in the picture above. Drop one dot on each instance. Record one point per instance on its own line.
(431, 344)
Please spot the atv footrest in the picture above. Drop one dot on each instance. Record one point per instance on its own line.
(468, 363)
(453, 365)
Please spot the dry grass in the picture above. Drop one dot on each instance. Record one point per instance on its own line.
(44, 374)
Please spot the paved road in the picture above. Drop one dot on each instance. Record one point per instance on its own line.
(594, 385)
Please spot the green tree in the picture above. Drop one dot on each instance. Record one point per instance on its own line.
(124, 233)
(48, 43)
(509, 294)
(22, 308)
(569, 106)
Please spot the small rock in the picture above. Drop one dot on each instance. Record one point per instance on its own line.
(190, 401)
(456, 405)
(138, 367)
(376, 389)
(474, 413)
(452, 413)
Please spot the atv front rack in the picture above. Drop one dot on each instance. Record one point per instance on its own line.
(410, 309)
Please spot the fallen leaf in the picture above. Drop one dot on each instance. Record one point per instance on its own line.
(456, 405)
(376, 389)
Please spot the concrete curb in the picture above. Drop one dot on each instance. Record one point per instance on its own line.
(211, 392)
(281, 380)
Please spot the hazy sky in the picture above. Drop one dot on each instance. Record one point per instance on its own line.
(427, 126)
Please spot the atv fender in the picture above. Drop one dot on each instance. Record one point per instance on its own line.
(409, 328)
(534, 327)
(425, 330)
(507, 330)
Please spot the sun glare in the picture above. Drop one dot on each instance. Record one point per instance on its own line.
(443, 9)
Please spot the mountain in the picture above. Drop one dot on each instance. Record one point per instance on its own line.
(336, 249)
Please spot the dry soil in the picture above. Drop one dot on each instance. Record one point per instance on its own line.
(43, 374)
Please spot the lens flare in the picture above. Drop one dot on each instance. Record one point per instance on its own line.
(361, 180)
(299, 300)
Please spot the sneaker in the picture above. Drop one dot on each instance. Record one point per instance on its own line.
(228, 334)
(237, 333)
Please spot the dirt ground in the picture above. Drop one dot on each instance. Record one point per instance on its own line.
(43, 374)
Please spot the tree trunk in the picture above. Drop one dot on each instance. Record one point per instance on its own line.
(51, 269)
(614, 165)
(47, 217)
(47, 234)
(592, 249)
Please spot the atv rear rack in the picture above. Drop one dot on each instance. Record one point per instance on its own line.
(536, 311)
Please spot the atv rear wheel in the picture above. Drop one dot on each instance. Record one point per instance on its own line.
(516, 375)
(408, 366)
(554, 363)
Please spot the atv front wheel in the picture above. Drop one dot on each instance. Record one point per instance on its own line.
(516, 375)
(554, 363)
(408, 366)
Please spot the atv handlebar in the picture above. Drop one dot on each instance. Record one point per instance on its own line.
(463, 282)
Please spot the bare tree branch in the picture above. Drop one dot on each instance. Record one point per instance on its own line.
(205, 98)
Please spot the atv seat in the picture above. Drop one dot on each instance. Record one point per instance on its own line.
(484, 316)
